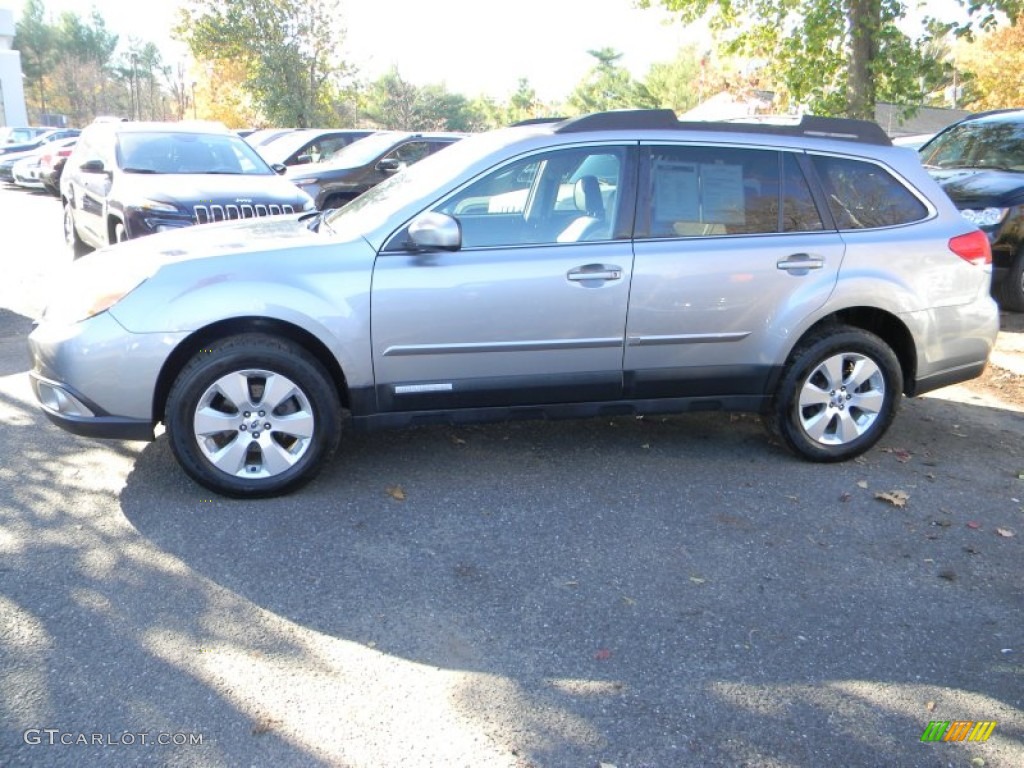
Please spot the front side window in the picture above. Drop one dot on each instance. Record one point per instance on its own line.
(695, 191)
(862, 195)
(564, 196)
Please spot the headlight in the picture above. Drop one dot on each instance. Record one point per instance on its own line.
(305, 182)
(987, 217)
(156, 205)
(94, 284)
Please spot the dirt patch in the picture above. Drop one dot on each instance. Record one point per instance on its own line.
(1003, 379)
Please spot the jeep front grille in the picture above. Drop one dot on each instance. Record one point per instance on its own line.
(205, 214)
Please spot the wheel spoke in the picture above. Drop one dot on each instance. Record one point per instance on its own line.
(812, 394)
(868, 402)
(277, 389)
(298, 425)
(235, 388)
(231, 458)
(847, 428)
(863, 370)
(276, 459)
(816, 425)
(832, 369)
(209, 421)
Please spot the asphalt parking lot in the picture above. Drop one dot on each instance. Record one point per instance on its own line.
(627, 592)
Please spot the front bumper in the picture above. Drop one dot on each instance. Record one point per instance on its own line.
(96, 379)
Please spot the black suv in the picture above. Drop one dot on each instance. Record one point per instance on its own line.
(979, 162)
(366, 163)
(126, 180)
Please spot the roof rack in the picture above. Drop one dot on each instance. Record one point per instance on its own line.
(862, 131)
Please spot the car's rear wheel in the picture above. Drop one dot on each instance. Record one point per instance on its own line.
(837, 396)
(253, 416)
(1009, 291)
(75, 244)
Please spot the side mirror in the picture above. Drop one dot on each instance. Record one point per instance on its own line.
(390, 165)
(435, 232)
(93, 166)
(280, 168)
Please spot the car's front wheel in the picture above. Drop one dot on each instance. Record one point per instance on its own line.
(837, 396)
(74, 242)
(253, 416)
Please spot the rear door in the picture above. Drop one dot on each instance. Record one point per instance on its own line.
(731, 246)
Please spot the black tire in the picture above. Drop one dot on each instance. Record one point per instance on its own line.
(1009, 291)
(263, 449)
(837, 396)
(336, 201)
(75, 244)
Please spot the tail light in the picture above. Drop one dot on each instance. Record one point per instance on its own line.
(972, 247)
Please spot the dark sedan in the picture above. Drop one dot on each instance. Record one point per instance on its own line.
(366, 163)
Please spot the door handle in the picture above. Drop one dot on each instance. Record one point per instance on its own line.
(800, 261)
(595, 272)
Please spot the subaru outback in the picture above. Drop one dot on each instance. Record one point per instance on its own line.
(621, 262)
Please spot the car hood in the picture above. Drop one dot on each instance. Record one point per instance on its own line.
(980, 187)
(207, 188)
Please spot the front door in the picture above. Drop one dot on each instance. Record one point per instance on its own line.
(532, 309)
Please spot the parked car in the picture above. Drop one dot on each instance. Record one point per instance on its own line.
(307, 146)
(265, 135)
(26, 173)
(125, 180)
(39, 140)
(979, 162)
(912, 141)
(51, 164)
(16, 135)
(7, 163)
(366, 163)
(616, 263)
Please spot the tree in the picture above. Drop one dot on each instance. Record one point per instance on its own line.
(995, 62)
(290, 50)
(682, 83)
(608, 86)
(837, 58)
(394, 103)
(35, 39)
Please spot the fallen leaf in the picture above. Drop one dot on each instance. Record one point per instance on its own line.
(844, 496)
(603, 654)
(458, 440)
(902, 456)
(862, 483)
(1006, 533)
(896, 498)
(606, 765)
(973, 525)
(646, 445)
(948, 574)
(793, 498)
(396, 493)
(628, 600)
(696, 580)
(930, 706)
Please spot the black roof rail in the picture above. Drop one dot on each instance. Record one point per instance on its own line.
(862, 131)
(536, 121)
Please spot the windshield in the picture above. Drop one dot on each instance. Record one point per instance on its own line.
(187, 153)
(363, 151)
(978, 144)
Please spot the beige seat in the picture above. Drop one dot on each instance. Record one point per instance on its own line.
(588, 201)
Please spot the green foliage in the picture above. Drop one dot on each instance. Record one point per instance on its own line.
(608, 86)
(682, 83)
(396, 104)
(291, 50)
(834, 58)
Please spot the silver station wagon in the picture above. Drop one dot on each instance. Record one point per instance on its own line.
(620, 262)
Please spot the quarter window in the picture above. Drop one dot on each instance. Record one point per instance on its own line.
(864, 195)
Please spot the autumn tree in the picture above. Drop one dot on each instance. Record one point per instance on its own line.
(838, 57)
(994, 62)
(291, 51)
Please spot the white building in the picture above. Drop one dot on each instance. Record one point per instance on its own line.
(12, 92)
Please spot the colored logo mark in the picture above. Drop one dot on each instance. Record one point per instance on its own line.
(958, 730)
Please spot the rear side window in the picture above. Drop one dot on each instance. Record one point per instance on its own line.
(697, 191)
(863, 195)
